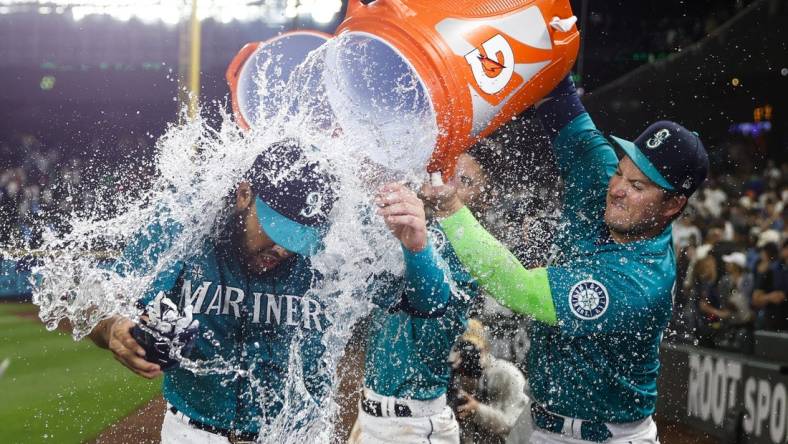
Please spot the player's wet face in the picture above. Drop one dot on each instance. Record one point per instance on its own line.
(471, 183)
(636, 208)
(260, 254)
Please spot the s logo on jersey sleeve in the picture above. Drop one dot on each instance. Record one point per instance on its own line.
(438, 238)
(588, 299)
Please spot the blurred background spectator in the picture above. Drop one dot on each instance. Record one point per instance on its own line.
(487, 393)
(770, 290)
(45, 188)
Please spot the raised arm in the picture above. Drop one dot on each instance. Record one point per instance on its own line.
(559, 108)
(427, 288)
(627, 299)
(497, 270)
(586, 159)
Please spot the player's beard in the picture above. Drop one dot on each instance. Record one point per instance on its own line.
(624, 227)
(631, 231)
(263, 261)
(257, 262)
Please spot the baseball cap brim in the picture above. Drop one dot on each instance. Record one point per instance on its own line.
(287, 233)
(735, 258)
(642, 162)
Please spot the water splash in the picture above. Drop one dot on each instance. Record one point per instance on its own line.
(196, 166)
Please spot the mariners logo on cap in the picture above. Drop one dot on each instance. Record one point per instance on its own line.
(313, 203)
(657, 139)
(588, 299)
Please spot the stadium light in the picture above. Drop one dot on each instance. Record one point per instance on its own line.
(173, 11)
(321, 11)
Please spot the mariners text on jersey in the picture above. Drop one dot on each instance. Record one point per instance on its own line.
(267, 308)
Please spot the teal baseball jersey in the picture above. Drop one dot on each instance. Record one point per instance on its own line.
(408, 350)
(612, 301)
(247, 323)
(253, 322)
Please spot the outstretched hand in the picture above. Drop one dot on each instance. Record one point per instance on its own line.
(403, 212)
(165, 333)
(127, 351)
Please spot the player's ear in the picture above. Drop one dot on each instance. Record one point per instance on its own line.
(673, 204)
(243, 196)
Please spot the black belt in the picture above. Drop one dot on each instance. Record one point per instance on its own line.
(374, 408)
(589, 431)
(234, 436)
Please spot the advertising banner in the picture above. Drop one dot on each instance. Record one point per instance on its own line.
(736, 398)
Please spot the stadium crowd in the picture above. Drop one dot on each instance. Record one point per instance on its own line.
(40, 186)
(733, 260)
(33, 185)
(670, 28)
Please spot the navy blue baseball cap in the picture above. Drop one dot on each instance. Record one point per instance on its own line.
(672, 156)
(293, 196)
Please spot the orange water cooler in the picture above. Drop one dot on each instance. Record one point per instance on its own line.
(259, 74)
(420, 81)
(477, 64)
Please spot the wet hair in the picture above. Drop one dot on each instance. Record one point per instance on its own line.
(485, 154)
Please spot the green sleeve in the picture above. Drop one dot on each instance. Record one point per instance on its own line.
(497, 270)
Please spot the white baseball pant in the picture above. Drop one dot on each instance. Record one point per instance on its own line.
(433, 423)
(176, 430)
(638, 432)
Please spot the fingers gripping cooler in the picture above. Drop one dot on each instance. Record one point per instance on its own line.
(425, 79)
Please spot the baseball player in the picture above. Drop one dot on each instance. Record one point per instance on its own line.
(601, 306)
(406, 367)
(247, 289)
